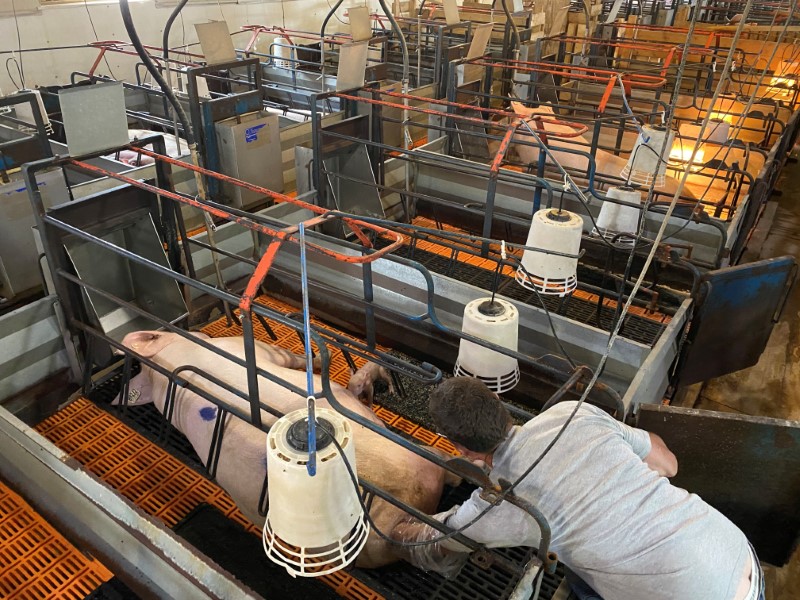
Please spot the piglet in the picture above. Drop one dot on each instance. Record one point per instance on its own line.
(362, 382)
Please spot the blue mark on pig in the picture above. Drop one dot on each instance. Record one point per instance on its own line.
(208, 413)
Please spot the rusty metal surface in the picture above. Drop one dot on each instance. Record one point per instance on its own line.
(735, 318)
(746, 467)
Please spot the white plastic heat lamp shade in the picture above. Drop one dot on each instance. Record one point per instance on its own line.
(282, 54)
(556, 231)
(648, 159)
(500, 326)
(315, 525)
(617, 218)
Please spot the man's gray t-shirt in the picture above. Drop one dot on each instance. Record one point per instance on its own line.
(624, 529)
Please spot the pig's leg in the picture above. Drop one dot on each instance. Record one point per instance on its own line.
(450, 478)
(285, 358)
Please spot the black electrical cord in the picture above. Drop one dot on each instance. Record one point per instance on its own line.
(97, 37)
(127, 19)
(19, 71)
(20, 68)
(571, 362)
(168, 27)
(400, 38)
(331, 13)
(515, 44)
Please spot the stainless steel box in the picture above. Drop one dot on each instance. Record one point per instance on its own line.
(250, 149)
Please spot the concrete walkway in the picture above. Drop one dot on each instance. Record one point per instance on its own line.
(772, 387)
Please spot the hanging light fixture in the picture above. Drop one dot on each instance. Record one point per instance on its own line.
(496, 321)
(784, 79)
(315, 525)
(647, 161)
(617, 218)
(716, 132)
(555, 230)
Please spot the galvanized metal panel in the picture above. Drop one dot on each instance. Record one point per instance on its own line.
(400, 290)
(653, 376)
(297, 135)
(125, 279)
(746, 467)
(31, 347)
(17, 246)
(734, 321)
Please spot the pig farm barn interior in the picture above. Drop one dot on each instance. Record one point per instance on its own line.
(243, 242)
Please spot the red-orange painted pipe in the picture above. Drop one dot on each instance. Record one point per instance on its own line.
(249, 223)
(278, 197)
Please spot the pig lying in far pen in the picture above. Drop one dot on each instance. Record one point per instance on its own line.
(242, 462)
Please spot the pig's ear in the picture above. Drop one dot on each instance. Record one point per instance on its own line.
(146, 343)
(139, 391)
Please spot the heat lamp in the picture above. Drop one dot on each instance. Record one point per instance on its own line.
(553, 230)
(315, 525)
(784, 78)
(615, 218)
(496, 321)
(716, 132)
(648, 159)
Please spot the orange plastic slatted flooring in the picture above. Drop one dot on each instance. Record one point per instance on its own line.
(150, 477)
(36, 562)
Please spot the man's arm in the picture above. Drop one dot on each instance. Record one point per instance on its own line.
(445, 557)
(660, 458)
(502, 526)
(650, 448)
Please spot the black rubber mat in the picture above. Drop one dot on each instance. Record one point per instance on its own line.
(146, 420)
(113, 589)
(242, 555)
(634, 327)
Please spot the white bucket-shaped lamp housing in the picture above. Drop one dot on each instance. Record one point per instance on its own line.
(315, 525)
(617, 218)
(648, 159)
(495, 321)
(556, 231)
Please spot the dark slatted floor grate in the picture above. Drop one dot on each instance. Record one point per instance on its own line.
(636, 328)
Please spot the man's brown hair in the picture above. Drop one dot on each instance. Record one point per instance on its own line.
(469, 413)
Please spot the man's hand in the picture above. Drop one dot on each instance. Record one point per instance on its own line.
(431, 556)
(661, 459)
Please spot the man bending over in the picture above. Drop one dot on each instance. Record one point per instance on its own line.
(617, 523)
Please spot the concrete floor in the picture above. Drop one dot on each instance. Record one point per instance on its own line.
(772, 387)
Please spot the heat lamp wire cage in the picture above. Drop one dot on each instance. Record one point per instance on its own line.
(315, 562)
(548, 286)
(500, 385)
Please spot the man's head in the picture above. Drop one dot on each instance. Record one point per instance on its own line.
(469, 414)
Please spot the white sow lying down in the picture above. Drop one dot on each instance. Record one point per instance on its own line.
(242, 463)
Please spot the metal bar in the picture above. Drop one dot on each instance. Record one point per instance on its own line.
(580, 129)
(215, 210)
